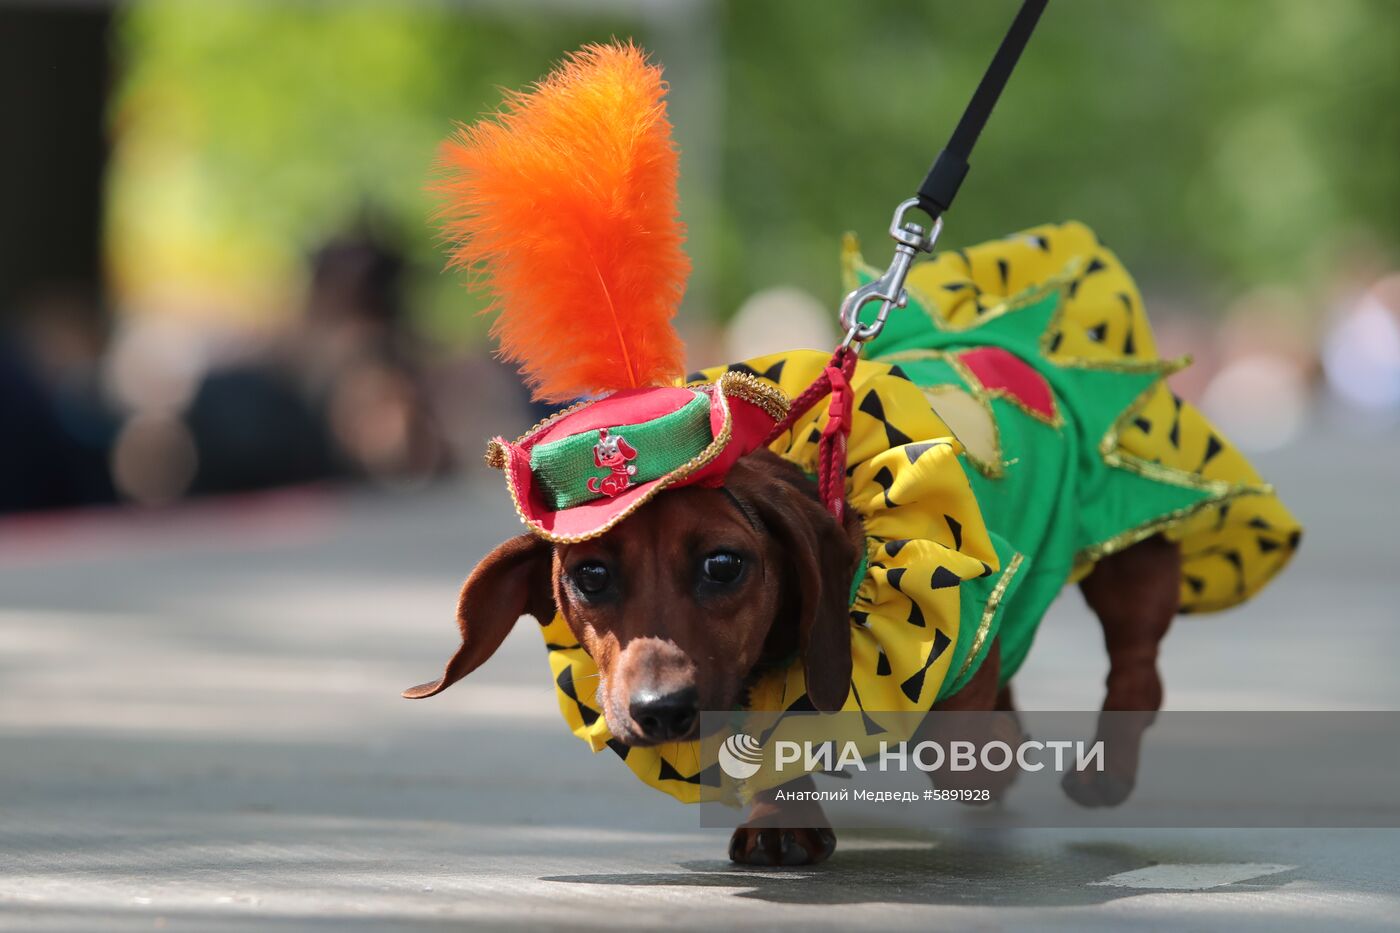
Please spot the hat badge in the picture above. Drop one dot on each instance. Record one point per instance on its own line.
(612, 452)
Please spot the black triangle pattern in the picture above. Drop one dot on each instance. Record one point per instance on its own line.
(1213, 447)
(1129, 342)
(894, 578)
(915, 684)
(885, 479)
(915, 451)
(943, 577)
(668, 772)
(802, 704)
(772, 373)
(873, 407)
(1236, 561)
(871, 726)
(1174, 435)
(618, 747)
(565, 681)
(955, 527)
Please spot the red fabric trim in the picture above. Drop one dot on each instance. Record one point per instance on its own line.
(630, 406)
(1000, 370)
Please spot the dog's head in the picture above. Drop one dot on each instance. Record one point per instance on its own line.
(685, 601)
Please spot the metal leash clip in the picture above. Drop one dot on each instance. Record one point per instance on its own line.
(910, 240)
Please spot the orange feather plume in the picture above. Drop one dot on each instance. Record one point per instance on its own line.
(564, 205)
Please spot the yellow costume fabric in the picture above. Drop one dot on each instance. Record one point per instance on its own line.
(945, 575)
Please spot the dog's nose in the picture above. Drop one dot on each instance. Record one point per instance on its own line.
(661, 718)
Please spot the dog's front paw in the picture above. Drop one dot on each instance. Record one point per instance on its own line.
(768, 845)
(1097, 788)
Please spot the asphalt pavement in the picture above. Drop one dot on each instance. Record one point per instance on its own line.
(200, 728)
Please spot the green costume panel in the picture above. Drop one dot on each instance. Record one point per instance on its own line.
(1237, 536)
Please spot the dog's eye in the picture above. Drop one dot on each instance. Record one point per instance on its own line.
(591, 578)
(723, 567)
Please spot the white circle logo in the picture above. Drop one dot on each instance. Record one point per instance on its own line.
(740, 756)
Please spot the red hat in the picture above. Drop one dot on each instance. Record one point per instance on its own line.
(577, 474)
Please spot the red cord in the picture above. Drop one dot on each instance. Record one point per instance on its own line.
(835, 381)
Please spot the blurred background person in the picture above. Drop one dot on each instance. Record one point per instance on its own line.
(341, 394)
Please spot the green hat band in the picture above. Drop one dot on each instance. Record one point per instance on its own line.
(567, 473)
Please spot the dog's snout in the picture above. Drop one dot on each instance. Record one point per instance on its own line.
(666, 717)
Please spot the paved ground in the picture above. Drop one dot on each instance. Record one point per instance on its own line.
(200, 729)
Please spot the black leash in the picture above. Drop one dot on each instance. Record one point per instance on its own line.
(944, 178)
(938, 190)
(935, 196)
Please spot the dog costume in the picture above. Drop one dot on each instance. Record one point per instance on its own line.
(1011, 426)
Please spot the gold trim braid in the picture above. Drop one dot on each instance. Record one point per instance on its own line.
(989, 612)
(758, 392)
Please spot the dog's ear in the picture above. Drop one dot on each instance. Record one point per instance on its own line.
(821, 558)
(511, 581)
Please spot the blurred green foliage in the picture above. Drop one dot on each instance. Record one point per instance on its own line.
(1214, 145)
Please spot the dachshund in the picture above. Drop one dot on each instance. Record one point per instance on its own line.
(762, 554)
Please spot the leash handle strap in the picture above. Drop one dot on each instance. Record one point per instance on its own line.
(950, 168)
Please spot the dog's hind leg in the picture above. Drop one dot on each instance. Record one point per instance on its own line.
(974, 714)
(1006, 703)
(1135, 593)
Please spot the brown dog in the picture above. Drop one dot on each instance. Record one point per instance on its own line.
(763, 555)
